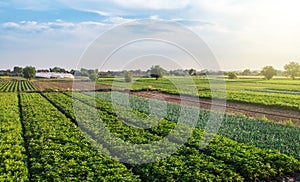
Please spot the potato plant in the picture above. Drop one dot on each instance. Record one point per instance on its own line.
(13, 159)
(238, 157)
(58, 150)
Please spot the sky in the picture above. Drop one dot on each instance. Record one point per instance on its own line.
(240, 34)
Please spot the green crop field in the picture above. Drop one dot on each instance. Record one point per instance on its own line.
(278, 93)
(16, 86)
(44, 139)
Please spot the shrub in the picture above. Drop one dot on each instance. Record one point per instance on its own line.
(128, 76)
(232, 75)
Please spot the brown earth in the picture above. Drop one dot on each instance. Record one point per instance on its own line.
(68, 86)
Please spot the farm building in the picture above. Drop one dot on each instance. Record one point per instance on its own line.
(54, 75)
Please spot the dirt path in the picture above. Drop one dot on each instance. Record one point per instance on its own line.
(278, 115)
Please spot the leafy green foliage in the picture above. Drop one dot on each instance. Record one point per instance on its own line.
(192, 72)
(268, 72)
(29, 72)
(59, 151)
(13, 160)
(17, 86)
(157, 72)
(128, 76)
(93, 74)
(18, 70)
(239, 160)
(262, 134)
(232, 75)
(277, 93)
(292, 69)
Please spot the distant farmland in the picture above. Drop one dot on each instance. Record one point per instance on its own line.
(41, 136)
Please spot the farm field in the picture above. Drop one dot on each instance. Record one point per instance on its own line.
(282, 93)
(16, 86)
(275, 100)
(65, 85)
(51, 144)
(54, 142)
(254, 132)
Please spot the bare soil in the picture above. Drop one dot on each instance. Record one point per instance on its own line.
(68, 86)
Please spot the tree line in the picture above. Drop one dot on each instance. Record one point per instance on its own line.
(27, 72)
(292, 70)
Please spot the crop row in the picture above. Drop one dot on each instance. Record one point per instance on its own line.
(275, 93)
(267, 99)
(259, 133)
(17, 86)
(217, 171)
(218, 145)
(58, 150)
(13, 160)
(258, 97)
(250, 162)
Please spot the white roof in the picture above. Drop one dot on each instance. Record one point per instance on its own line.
(54, 75)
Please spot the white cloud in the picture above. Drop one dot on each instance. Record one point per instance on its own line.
(102, 13)
(9, 25)
(236, 30)
(118, 20)
(33, 26)
(26, 26)
(154, 17)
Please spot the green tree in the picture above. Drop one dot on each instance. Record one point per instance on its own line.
(232, 75)
(58, 70)
(92, 74)
(128, 76)
(18, 70)
(246, 72)
(29, 72)
(157, 72)
(268, 72)
(83, 72)
(192, 72)
(72, 71)
(292, 69)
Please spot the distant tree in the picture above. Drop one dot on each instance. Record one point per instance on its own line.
(203, 72)
(58, 70)
(93, 74)
(268, 72)
(8, 72)
(84, 72)
(18, 70)
(128, 76)
(192, 72)
(157, 72)
(292, 69)
(281, 73)
(246, 72)
(72, 71)
(232, 75)
(29, 72)
(255, 73)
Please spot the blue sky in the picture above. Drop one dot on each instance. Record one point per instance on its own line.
(241, 34)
